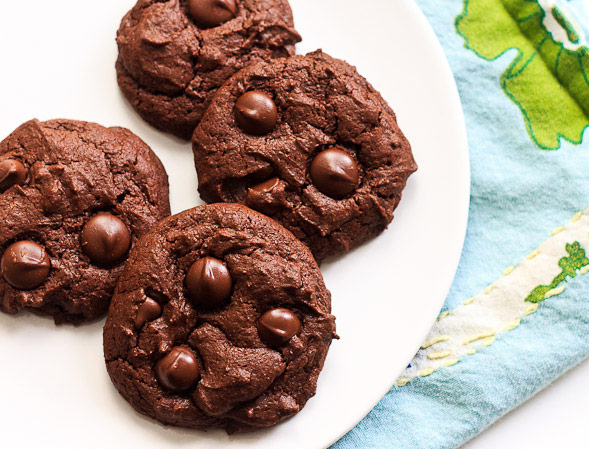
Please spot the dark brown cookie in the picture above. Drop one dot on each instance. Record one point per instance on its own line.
(310, 143)
(74, 197)
(221, 320)
(174, 54)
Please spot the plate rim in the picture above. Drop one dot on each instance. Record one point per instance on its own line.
(465, 208)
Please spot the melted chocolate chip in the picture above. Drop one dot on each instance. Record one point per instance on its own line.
(105, 239)
(12, 172)
(256, 113)
(212, 13)
(335, 173)
(148, 311)
(209, 283)
(177, 371)
(277, 326)
(266, 186)
(25, 265)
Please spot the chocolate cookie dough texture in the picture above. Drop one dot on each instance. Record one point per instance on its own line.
(221, 320)
(174, 54)
(310, 143)
(74, 197)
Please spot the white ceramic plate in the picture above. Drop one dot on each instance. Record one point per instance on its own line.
(58, 61)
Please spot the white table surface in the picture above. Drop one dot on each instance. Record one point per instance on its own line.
(557, 417)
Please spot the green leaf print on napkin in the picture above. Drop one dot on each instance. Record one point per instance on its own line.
(575, 261)
(548, 80)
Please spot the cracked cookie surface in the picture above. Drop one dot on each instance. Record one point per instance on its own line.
(310, 143)
(74, 197)
(245, 363)
(171, 63)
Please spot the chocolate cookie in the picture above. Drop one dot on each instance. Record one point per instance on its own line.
(221, 320)
(174, 54)
(310, 143)
(74, 197)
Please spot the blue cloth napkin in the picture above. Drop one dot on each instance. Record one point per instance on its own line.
(517, 316)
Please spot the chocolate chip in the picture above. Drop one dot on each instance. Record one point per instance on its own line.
(12, 172)
(148, 311)
(256, 113)
(335, 173)
(212, 13)
(25, 265)
(277, 326)
(209, 283)
(105, 239)
(178, 370)
(266, 186)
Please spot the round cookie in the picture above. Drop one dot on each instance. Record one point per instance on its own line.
(74, 197)
(174, 54)
(310, 143)
(220, 320)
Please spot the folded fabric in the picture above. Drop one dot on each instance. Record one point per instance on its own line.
(517, 316)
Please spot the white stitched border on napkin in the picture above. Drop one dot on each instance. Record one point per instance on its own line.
(502, 305)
